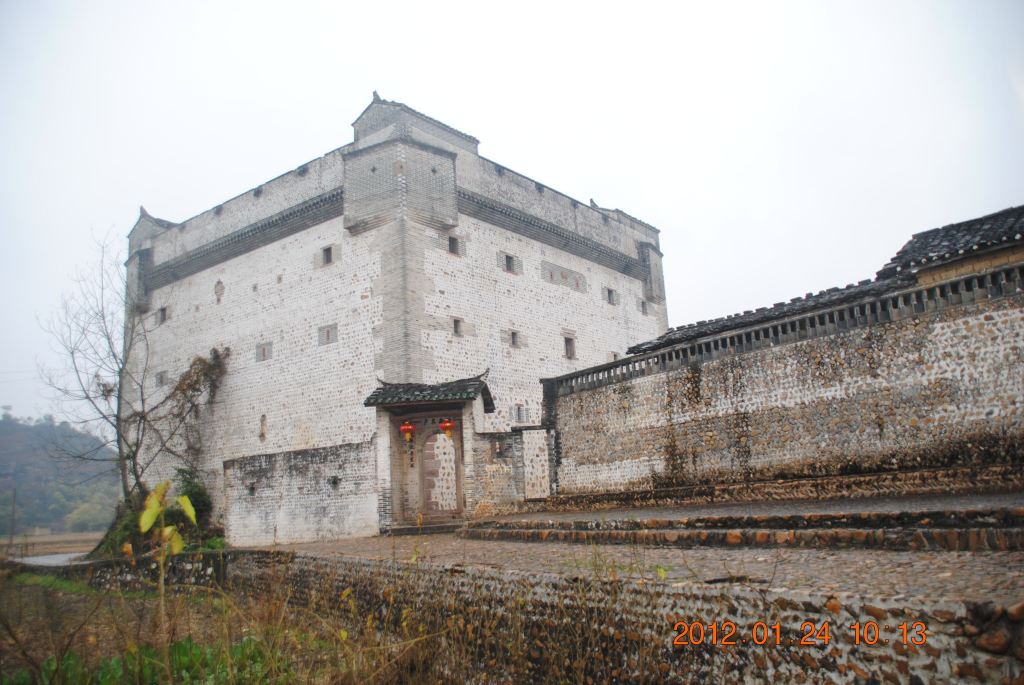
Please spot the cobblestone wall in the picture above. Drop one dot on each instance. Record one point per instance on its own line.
(544, 627)
(940, 388)
(534, 625)
(534, 446)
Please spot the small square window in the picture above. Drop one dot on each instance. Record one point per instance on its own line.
(457, 327)
(610, 296)
(161, 315)
(510, 264)
(513, 338)
(264, 351)
(161, 378)
(327, 335)
(453, 244)
(570, 348)
(327, 255)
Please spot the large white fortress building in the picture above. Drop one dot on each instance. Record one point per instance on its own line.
(390, 309)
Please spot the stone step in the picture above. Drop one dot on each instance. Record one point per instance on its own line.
(426, 529)
(895, 539)
(969, 479)
(925, 519)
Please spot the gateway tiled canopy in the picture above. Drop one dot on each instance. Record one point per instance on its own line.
(392, 394)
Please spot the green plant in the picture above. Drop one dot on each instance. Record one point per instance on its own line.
(189, 484)
(243, 662)
(168, 541)
(74, 587)
(214, 543)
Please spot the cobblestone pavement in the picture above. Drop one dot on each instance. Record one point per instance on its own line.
(971, 576)
(784, 508)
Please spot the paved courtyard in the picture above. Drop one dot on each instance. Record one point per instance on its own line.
(930, 576)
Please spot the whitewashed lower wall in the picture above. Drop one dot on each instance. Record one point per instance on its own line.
(302, 496)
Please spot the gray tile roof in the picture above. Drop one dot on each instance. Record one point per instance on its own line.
(780, 310)
(162, 223)
(462, 390)
(952, 242)
(936, 246)
(401, 105)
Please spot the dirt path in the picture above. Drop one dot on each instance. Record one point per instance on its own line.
(54, 543)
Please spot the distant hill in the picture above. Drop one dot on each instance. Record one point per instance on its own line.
(57, 493)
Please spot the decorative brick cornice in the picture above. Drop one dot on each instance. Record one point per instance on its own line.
(299, 217)
(507, 217)
(399, 140)
(329, 205)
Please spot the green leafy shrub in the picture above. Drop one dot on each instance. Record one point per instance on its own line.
(125, 527)
(123, 530)
(191, 485)
(215, 542)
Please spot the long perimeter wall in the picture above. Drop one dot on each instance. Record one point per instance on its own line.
(918, 379)
(501, 625)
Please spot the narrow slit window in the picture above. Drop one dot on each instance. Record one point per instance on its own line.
(510, 264)
(327, 255)
(264, 351)
(570, 348)
(513, 338)
(457, 327)
(161, 315)
(453, 244)
(327, 335)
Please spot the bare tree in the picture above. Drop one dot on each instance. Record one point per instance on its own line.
(106, 386)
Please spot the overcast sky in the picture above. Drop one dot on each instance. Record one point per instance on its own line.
(781, 148)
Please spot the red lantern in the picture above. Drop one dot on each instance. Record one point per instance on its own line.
(407, 429)
(447, 425)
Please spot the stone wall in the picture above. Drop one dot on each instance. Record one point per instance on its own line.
(497, 475)
(946, 480)
(549, 628)
(536, 476)
(536, 627)
(317, 494)
(938, 384)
